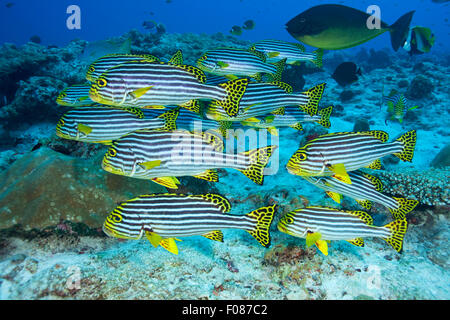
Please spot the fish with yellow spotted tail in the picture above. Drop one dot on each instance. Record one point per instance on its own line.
(335, 154)
(164, 218)
(321, 224)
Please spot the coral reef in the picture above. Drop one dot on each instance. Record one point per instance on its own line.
(420, 88)
(442, 159)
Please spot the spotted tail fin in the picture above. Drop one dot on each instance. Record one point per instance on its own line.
(325, 114)
(408, 140)
(279, 70)
(314, 94)
(235, 90)
(398, 229)
(258, 159)
(404, 207)
(263, 218)
(318, 58)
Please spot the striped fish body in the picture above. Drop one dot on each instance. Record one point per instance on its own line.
(365, 189)
(99, 124)
(107, 62)
(263, 98)
(348, 151)
(236, 62)
(154, 154)
(166, 85)
(294, 53)
(332, 224)
(169, 216)
(290, 116)
(75, 96)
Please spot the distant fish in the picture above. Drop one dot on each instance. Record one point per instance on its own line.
(420, 40)
(236, 30)
(261, 99)
(365, 189)
(335, 154)
(9, 5)
(290, 116)
(97, 49)
(334, 26)
(249, 25)
(161, 156)
(233, 62)
(346, 73)
(397, 106)
(75, 96)
(149, 24)
(277, 50)
(35, 39)
(163, 218)
(321, 224)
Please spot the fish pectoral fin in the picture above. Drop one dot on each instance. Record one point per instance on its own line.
(231, 77)
(136, 94)
(298, 126)
(253, 120)
(312, 238)
(84, 129)
(335, 196)
(273, 131)
(154, 238)
(322, 245)
(150, 164)
(222, 64)
(273, 54)
(269, 119)
(154, 107)
(340, 173)
(216, 235)
(170, 245)
(168, 182)
(357, 242)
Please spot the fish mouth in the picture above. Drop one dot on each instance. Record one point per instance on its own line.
(114, 234)
(107, 167)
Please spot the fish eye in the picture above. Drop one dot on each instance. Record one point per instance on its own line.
(288, 220)
(301, 156)
(62, 95)
(91, 69)
(102, 83)
(115, 218)
(61, 123)
(112, 152)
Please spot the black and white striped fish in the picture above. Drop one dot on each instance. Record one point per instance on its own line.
(100, 124)
(290, 116)
(264, 98)
(107, 62)
(294, 53)
(161, 156)
(146, 85)
(364, 188)
(233, 63)
(163, 218)
(336, 153)
(321, 224)
(75, 96)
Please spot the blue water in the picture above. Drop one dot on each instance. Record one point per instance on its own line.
(105, 18)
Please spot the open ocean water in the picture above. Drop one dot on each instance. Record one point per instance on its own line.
(203, 150)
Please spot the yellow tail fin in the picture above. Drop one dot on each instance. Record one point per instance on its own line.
(404, 207)
(235, 90)
(325, 114)
(263, 219)
(398, 229)
(258, 159)
(409, 143)
(314, 94)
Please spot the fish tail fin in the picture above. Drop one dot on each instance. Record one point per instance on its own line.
(279, 70)
(325, 114)
(408, 140)
(318, 58)
(404, 207)
(258, 159)
(262, 218)
(398, 229)
(170, 119)
(314, 94)
(235, 89)
(399, 30)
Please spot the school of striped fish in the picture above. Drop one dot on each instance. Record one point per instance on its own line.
(162, 120)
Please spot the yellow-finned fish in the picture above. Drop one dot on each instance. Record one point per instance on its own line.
(75, 96)
(163, 218)
(321, 224)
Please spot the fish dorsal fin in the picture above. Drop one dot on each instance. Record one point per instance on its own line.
(298, 126)
(364, 216)
(177, 58)
(259, 54)
(193, 105)
(212, 139)
(378, 134)
(357, 242)
(209, 175)
(214, 235)
(283, 85)
(375, 165)
(219, 201)
(280, 111)
(366, 204)
(135, 111)
(170, 118)
(375, 181)
(196, 72)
